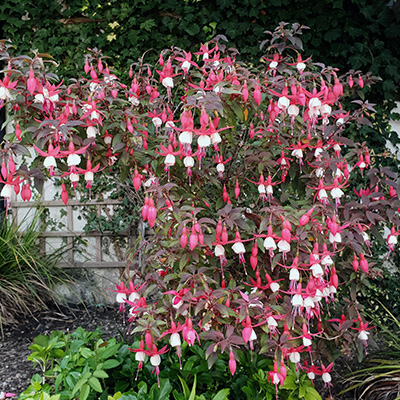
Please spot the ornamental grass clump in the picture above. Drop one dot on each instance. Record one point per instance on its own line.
(28, 277)
(266, 215)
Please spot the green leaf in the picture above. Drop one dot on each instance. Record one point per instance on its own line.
(86, 352)
(312, 394)
(95, 384)
(84, 393)
(192, 29)
(222, 395)
(112, 363)
(193, 392)
(100, 374)
(79, 385)
(185, 388)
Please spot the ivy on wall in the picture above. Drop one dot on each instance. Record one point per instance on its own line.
(345, 33)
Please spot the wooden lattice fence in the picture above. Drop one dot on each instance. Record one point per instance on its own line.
(94, 249)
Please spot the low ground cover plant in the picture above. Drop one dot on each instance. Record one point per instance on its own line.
(85, 366)
(266, 215)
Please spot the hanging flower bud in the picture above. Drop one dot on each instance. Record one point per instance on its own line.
(64, 194)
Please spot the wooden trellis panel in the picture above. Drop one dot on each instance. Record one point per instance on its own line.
(70, 233)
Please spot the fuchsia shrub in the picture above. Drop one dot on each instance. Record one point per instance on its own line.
(262, 207)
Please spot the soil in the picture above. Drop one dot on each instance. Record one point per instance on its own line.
(15, 370)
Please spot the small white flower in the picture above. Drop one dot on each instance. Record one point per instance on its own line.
(177, 305)
(188, 161)
(134, 296)
(335, 238)
(317, 270)
(297, 301)
(309, 302)
(283, 103)
(301, 66)
(327, 260)
(307, 342)
(322, 194)
(215, 138)
(283, 246)
(157, 122)
(363, 335)
(73, 159)
(219, 250)
(238, 248)
(49, 161)
(318, 296)
(314, 103)
(274, 287)
(273, 64)
(293, 110)
(186, 65)
(121, 297)
(89, 176)
(186, 137)
(269, 243)
(336, 193)
(340, 121)
(261, 189)
(139, 356)
(134, 100)
(175, 339)
(204, 141)
(294, 274)
(169, 160)
(295, 357)
(91, 132)
(326, 377)
(319, 173)
(168, 82)
(297, 153)
(220, 168)
(155, 360)
(272, 324)
(326, 109)
(6, 191)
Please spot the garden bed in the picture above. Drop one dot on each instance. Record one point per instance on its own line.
(16, 371)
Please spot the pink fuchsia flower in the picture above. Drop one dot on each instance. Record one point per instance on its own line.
(140, 356)
(362, 331)
(238, 247)
(186, 62)
(5, 87)
(232, 363)
(4, 395)
(248, 333)
(391, 239)
(175, 339)
(177, 299)
(50, 157)
(277, 378)
(48, 96)
(188, 333)
(326, 376)
(155, 359)
(269, 242)
(306, 217)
